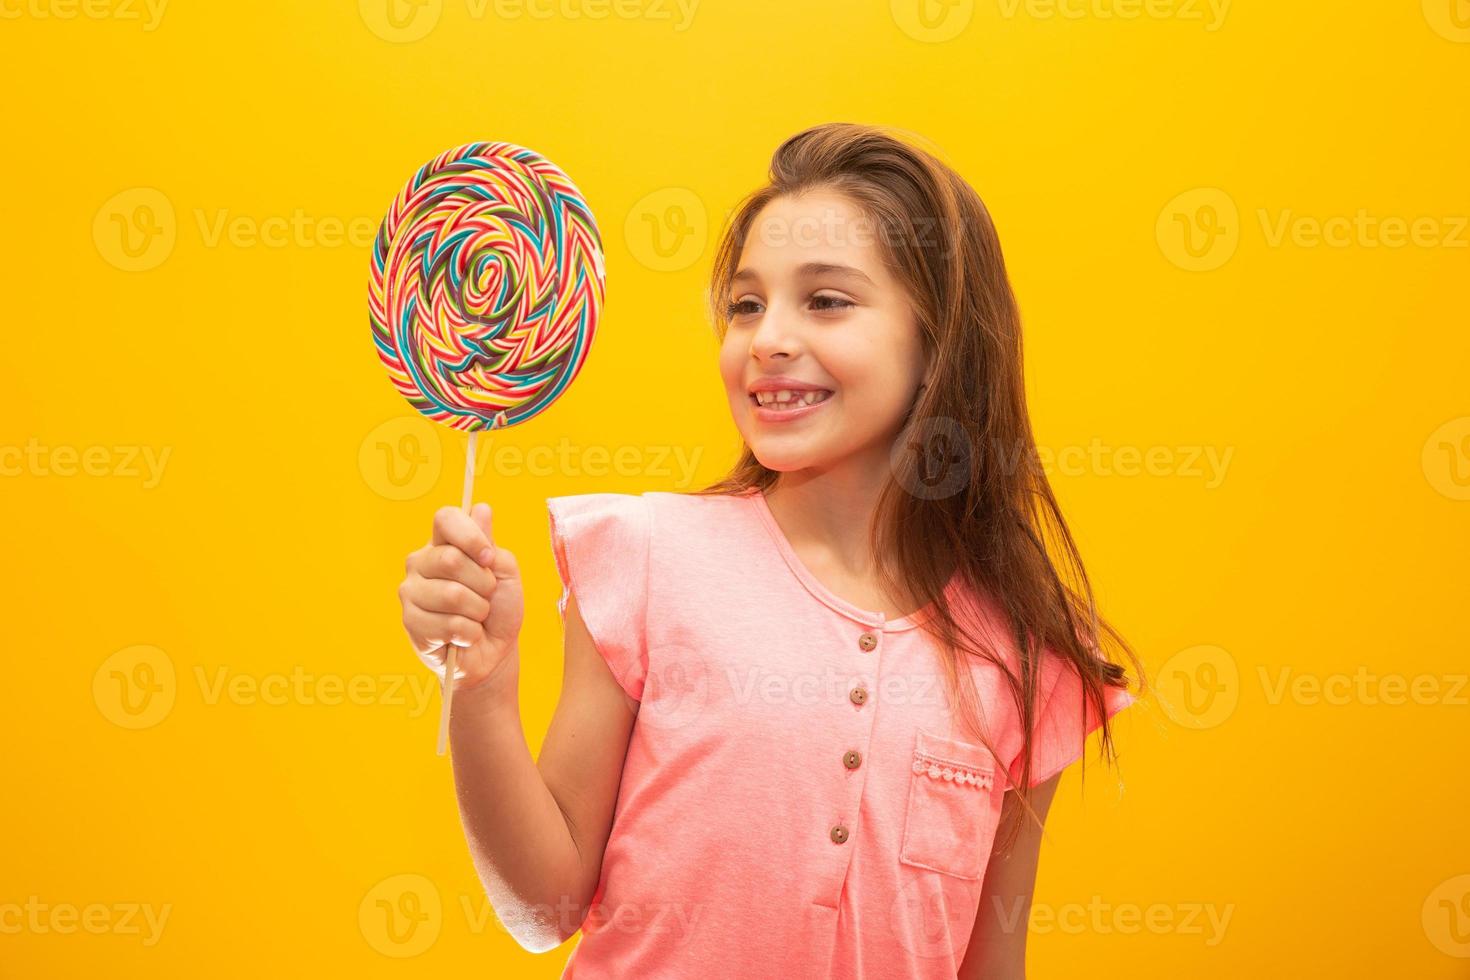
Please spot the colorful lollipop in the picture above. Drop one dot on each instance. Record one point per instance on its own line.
(487, 283)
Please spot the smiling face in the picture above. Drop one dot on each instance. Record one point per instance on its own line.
(812, 302)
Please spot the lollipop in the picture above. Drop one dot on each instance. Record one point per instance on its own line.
(487, 283)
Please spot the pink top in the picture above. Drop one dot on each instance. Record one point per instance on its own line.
(795, 801)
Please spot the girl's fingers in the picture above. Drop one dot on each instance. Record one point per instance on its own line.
(504, 565)
(432, 630)
(448, 562)
(480, 514)
(453, 526)
(451, 598)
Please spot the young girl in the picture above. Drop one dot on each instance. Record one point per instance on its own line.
(798, 706)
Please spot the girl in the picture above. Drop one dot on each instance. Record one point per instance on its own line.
(799, 705)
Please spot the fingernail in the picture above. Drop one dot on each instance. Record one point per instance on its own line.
(486, 556)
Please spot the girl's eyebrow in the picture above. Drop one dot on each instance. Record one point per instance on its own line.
(810, 269)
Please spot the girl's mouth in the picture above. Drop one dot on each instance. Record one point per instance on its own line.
(786, 405)
(787, 398)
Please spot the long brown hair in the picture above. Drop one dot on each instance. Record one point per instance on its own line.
(967, 494)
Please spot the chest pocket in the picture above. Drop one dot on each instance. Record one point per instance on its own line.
(953, 807)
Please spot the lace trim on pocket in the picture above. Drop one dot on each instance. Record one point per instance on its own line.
(935, 767)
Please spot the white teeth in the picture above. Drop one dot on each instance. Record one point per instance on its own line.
(786, 398)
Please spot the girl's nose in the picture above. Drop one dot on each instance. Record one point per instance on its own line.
(776, 333)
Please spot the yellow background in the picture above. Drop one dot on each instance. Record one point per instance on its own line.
(1326, 830)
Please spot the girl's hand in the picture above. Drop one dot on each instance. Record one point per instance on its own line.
(462, 589)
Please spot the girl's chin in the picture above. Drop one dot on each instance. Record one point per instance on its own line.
(785, 455)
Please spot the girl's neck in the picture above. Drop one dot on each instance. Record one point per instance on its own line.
(827, 523)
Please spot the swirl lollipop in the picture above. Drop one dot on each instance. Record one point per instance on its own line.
(487, 284)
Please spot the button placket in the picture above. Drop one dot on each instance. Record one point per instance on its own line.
(867, 642)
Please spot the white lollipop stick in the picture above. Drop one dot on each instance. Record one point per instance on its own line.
(450, 649)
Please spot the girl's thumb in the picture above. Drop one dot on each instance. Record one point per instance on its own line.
(480, 514)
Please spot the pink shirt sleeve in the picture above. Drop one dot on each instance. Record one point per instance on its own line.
(601, 543)
(1061, 730)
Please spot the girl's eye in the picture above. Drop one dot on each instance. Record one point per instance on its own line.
(819, 302)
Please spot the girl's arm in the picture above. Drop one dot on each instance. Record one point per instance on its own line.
(997, 949)
(537, 829)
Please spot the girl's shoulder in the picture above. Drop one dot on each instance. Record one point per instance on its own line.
(638, 562)
(665, 523)
(661, 509)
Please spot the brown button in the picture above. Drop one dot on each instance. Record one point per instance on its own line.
(867, 641)
(857, 695)
(852, 759)
(839, 834)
